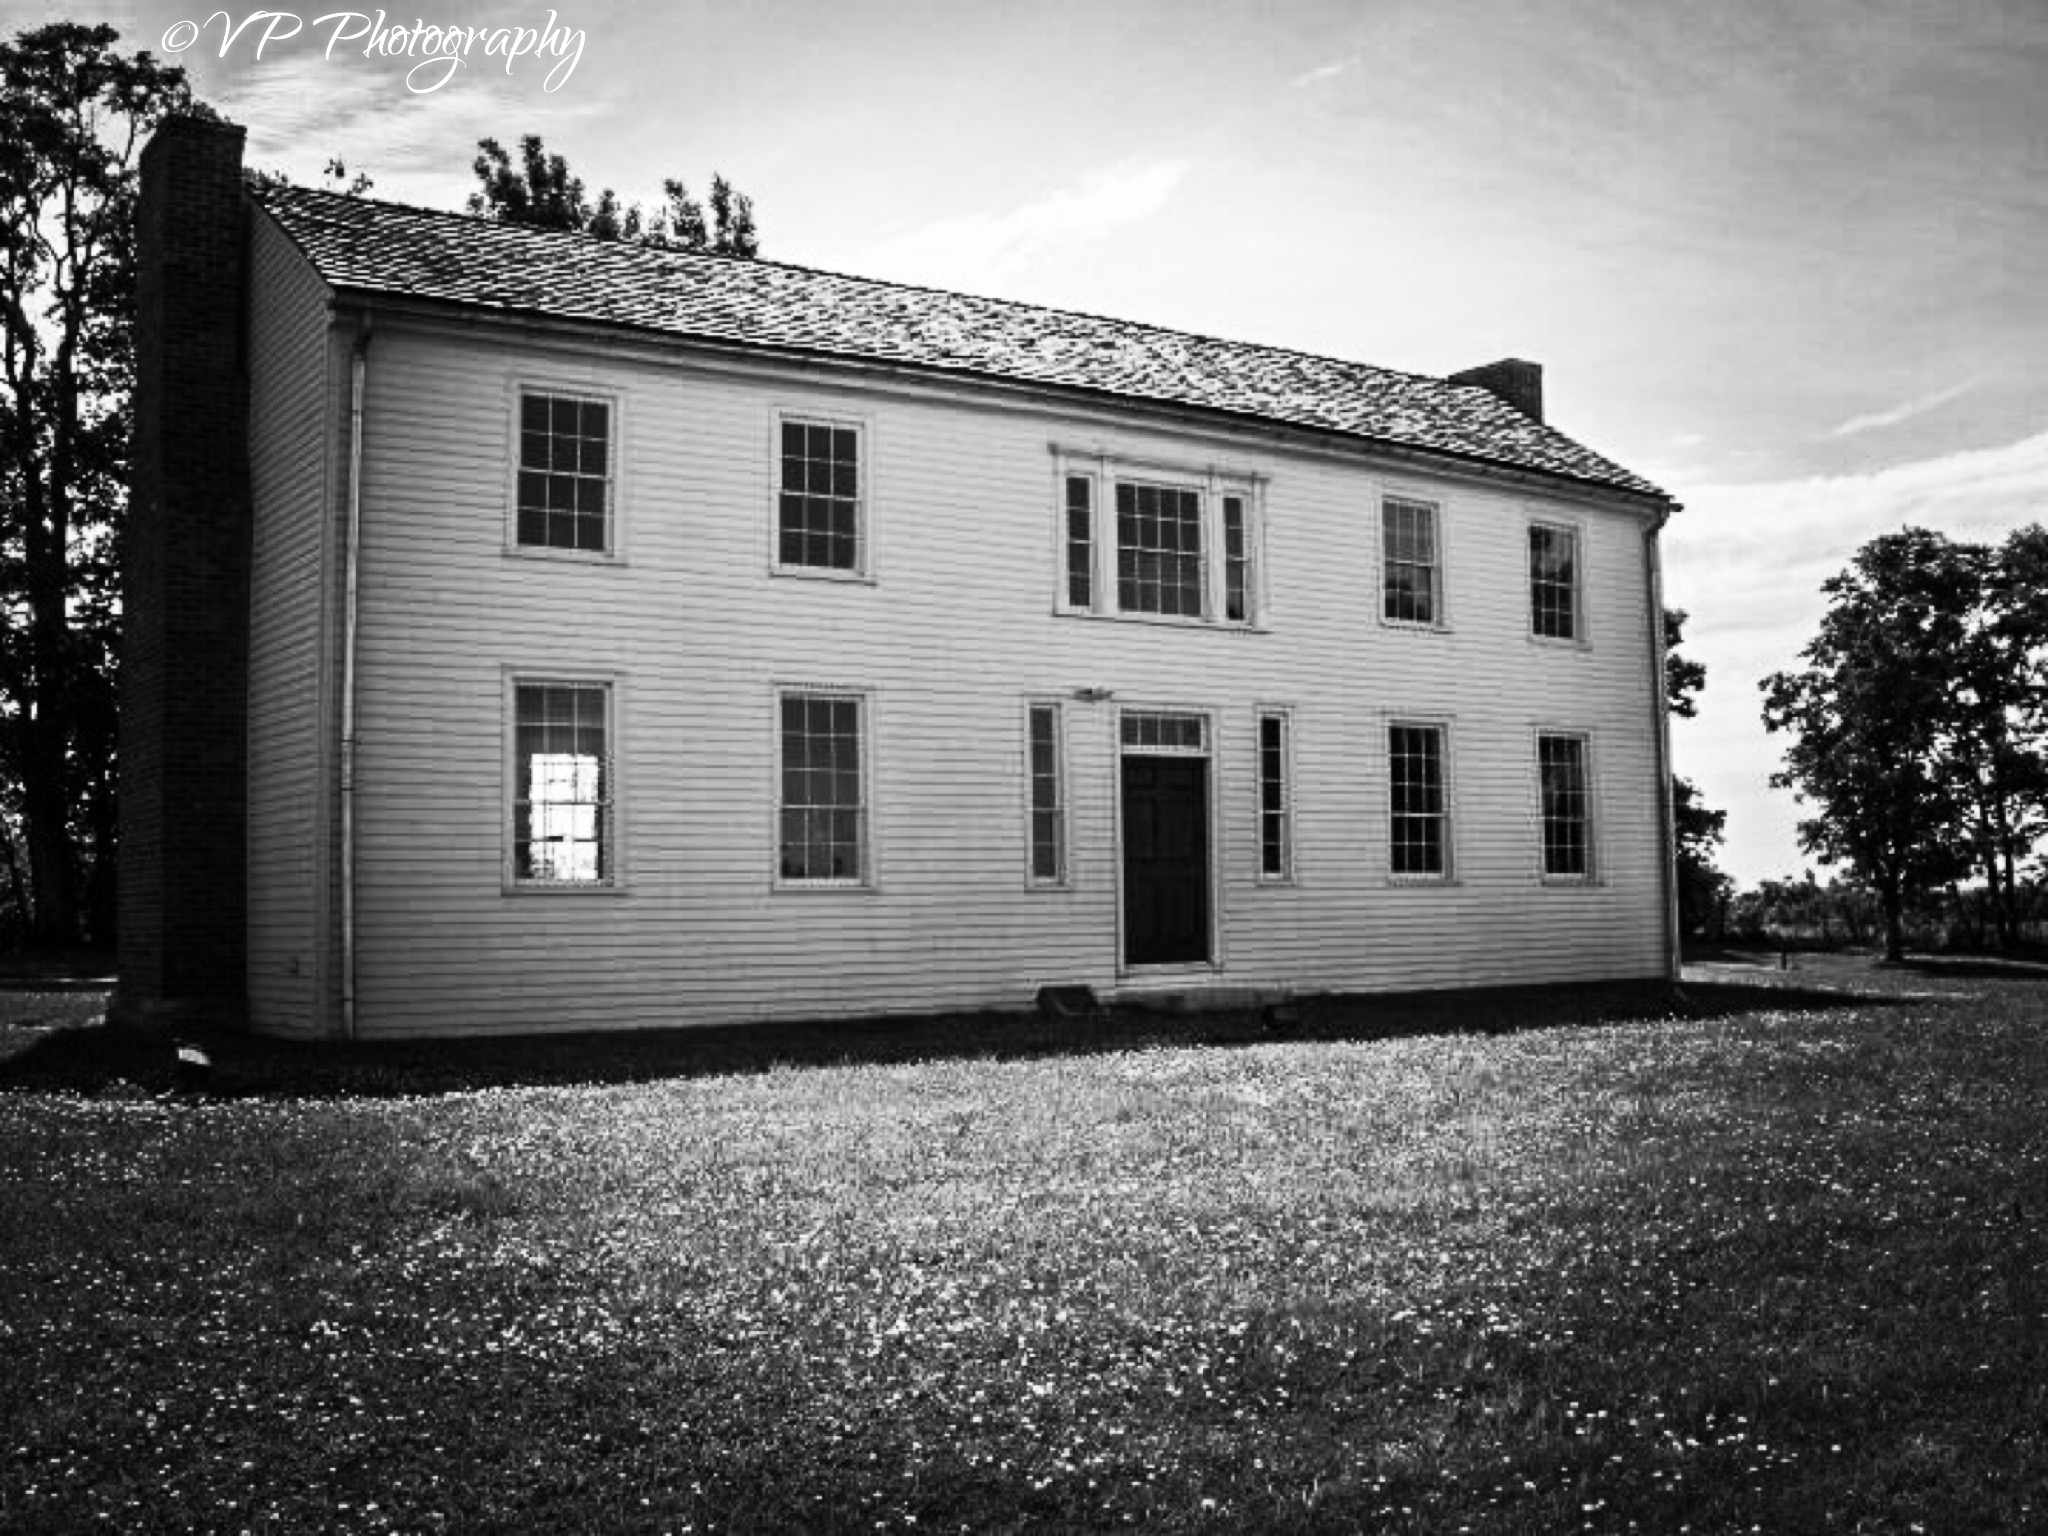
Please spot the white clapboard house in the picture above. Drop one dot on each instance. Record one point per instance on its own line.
(631, 638)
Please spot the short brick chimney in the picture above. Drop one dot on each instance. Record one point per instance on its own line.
(1517, 382)
(185, 591)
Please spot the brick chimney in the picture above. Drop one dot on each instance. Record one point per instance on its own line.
(185, 591)
(1517, 382)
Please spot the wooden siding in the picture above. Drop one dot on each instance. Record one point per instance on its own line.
(291, 429)
(952, 633)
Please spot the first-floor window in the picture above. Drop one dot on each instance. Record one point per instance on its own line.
(823, 819)
(1276, 814)
(1048, 799)
(1417, 835)
(1567, 806)
(561, 796)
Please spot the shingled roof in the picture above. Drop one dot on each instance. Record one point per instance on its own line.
(376, 248)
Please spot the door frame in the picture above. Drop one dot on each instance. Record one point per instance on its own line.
(1212, 858)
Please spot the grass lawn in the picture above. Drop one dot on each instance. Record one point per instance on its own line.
(1777, 1261)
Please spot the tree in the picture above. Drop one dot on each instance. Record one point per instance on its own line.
(73, 115)
(1697, 828)
(540, 191)
(1871, 716)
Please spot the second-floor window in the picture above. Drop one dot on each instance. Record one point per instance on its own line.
(564, 472)
(1411, 578)
(1553, 582)
(1155, 544)
(818, 501)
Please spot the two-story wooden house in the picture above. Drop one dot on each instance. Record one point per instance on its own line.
(530, 632)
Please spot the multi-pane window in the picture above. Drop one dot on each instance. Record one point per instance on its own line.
(561, 793)
(823, 820)
(1553, 581)
(818, 519)
(1080, 541)
(1417, 834)
(1048, 798)
(1237, 562)
(1156, 543)
(564, 472)
(1159, 566)
(1411, 580)
(1155, 731)
(1567, 806)
(1276, 813)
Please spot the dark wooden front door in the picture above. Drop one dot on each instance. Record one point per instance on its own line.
(1166, 860)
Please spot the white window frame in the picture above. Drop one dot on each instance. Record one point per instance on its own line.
(611, 838)
(1447, 769)
(1591, 874)
(1061, 811)
(863, 441)
(1440, 581)
(1284, 714)
(863, 699)
(1105, 472)
(520, 388)
(1576, 531)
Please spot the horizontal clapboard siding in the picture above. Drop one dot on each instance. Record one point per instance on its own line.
(946, 641)
(292, 426)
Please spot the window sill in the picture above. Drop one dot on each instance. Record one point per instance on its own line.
(1413, 627)
(1570, 882)
(1558, 643)
(1167, 621)
(823, 573)
(1423, 882)
(547, 552)
(563, 888)
(825, 887)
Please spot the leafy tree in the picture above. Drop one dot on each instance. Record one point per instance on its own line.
(540, 190)
(74, 113)
(1697, 827)
(1870, 716)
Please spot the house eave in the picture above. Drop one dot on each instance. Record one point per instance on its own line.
(923, 378)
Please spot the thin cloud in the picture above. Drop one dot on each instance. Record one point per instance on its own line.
(1905, 412)
(1321, 73)
(978, 251)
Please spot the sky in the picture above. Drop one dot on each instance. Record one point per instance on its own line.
(1788, 261)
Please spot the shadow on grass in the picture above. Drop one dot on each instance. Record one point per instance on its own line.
(100, 1060)
(1975, 968)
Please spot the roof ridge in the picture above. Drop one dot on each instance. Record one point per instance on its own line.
(1122, 322)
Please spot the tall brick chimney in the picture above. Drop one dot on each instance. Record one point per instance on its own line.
(185, 591)
(1517, 382)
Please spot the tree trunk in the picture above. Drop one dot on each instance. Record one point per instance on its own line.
(1894, 922)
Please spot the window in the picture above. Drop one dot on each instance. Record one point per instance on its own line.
(1237, 563)
(1048, 798)
(1145, 730)
(1567, 807)
(561, 792)
(818, 517)
(564, 472)
(1159, 550)
(1080, 534)
(1411, 573)
(1420, 819)
(1276, 812)
(1156, 543)
(823, 821)
(1553, 582)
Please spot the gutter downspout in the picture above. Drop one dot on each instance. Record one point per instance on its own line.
(1667, 834)
(359, 367)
